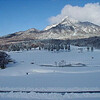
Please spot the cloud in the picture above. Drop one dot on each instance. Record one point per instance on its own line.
(89, 12)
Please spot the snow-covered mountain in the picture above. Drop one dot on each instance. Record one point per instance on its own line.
(65, 20)
(71, 28)
(68, 28)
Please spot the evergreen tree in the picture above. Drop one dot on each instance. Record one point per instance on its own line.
(92, 49)
(87, 48)
(68, 47)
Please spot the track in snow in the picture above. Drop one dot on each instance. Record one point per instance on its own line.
(47, 92)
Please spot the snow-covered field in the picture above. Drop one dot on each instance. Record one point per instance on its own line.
(37, 70)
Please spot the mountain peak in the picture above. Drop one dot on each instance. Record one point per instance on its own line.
(32, 30)
(67, 20)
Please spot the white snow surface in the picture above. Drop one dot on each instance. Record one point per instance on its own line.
(50, 26)
(42, 78)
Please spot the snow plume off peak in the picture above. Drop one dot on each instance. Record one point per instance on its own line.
(89, 12)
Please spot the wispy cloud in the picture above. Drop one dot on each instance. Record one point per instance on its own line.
(89, 12)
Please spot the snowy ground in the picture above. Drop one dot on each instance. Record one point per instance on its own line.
(44, 78)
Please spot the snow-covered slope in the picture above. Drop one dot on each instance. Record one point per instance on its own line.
(50, 26)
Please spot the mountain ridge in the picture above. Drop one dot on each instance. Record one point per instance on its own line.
(68, 28)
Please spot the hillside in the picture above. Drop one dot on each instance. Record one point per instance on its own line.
(67, 29)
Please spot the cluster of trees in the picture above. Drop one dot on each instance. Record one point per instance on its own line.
(91, 42)
(29, 46)
(55, 47)
(50, 45)
(22, 46)
(4, 59)
(62, 63)
(90, 49)
(4, 47)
